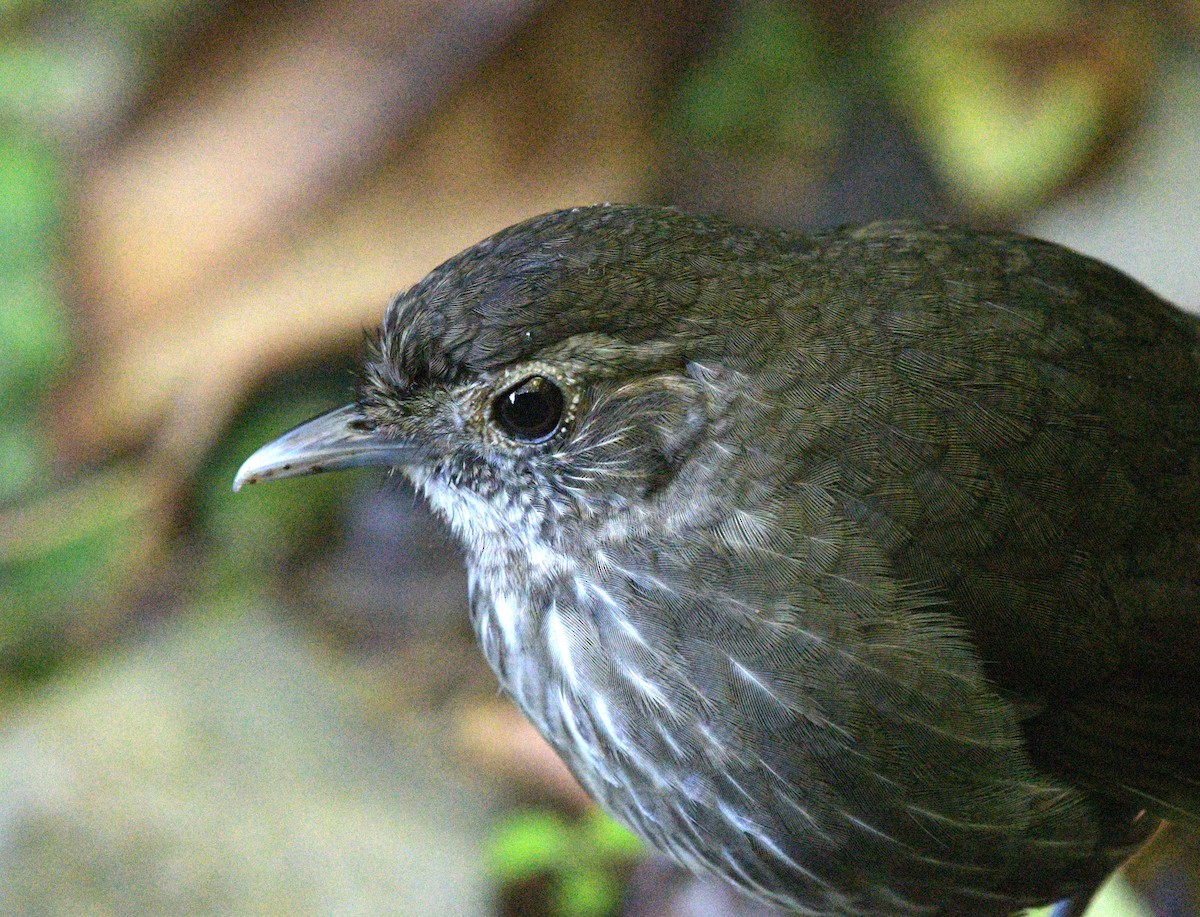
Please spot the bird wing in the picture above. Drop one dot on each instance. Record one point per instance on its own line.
(1018, 427)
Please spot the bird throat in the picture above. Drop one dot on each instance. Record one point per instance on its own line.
(513, 575)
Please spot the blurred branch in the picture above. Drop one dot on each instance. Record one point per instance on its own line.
(287, 119)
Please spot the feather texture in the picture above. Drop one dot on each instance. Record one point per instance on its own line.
(863, 567)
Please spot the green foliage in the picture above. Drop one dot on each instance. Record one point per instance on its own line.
(262, 527)
(33, 337)
(38, 79)
(58, 550)
(141, 15)
(29, 196)
(12, 10)
(580, 855)
(82, 62)
(610, 839)
(67, 550)
(763, 87)
(1012, 97)
(527, 844)
(587, 893)
(23, 458)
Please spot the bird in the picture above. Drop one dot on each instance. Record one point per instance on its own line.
(860, 567)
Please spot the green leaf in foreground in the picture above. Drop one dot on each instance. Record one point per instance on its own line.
(527, 844)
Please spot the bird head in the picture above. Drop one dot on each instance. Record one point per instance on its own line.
(544, 380)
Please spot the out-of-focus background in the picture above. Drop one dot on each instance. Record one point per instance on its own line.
(271, 703)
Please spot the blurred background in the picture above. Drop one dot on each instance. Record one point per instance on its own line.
(271, 703)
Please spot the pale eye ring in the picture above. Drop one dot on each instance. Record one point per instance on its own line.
(531, 410)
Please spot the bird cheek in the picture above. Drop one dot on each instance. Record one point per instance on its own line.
(675, 417)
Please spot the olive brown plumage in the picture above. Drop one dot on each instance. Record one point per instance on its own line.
(858, 567)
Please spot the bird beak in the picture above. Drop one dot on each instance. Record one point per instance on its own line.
(330, 442)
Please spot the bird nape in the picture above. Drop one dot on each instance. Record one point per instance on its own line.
(858, 567)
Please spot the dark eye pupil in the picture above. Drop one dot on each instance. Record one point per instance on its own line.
(531, 410)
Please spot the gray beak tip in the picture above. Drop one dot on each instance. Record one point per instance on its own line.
(268, 462)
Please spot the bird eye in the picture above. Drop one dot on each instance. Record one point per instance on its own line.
(531, 410)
